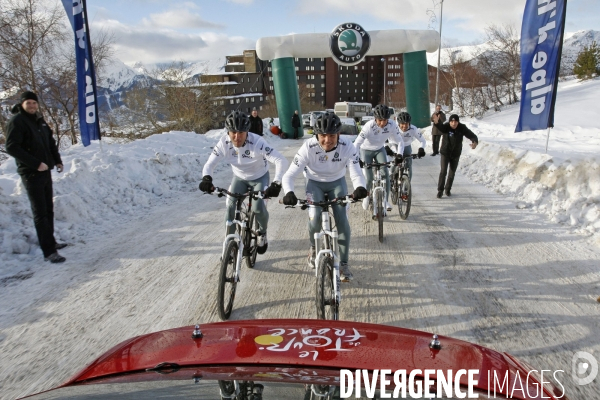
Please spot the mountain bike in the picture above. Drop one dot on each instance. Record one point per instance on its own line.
(242, 244)
(377, 195)
(327, 259)
(401, 191)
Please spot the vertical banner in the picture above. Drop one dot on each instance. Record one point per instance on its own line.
(541, 48)
(86, 76)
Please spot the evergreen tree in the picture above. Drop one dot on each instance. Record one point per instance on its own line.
(586, 65)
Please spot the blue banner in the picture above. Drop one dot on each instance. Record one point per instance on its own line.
(86, 76)
(541, 48)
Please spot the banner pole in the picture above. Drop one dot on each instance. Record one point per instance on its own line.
(547, 139)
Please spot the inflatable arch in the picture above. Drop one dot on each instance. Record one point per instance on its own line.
(281, 51)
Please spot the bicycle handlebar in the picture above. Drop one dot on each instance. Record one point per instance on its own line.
(255, 194)
(304, 203)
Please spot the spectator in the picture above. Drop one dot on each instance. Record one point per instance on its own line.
(296, 123)
(29, 140)
(452, 132)
(435, 132)
(256, 123)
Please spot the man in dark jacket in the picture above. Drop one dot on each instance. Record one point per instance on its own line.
(435, 132)
(256, 123)
(452, 138)
(29, 140)
(296, 123)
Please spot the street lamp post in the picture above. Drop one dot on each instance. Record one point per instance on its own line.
(384, 72)
(437, 75)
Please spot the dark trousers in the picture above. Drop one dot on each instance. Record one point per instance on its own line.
(295, 132)
(435, 145)
(446, 161)
(39, 190)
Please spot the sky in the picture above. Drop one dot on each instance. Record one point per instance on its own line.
(153, 31)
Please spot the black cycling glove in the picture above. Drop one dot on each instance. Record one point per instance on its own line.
(359, 193)
(361, 163)
(398, 159)
(273, 190)
(389, 151)
(421, 152)
(290, 199)
(206, 185)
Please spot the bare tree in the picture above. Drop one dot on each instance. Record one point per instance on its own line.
(174, 99)
(29, 32)
(36, 53)
(502, 63)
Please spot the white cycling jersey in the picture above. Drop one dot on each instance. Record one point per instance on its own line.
(411, 134)
(321, 166)
(249, 161)
(372, 137)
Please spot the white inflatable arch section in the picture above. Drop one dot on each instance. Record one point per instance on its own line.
(316, 45)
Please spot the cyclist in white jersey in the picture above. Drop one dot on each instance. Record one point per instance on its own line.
(248, 154)
(409, 134)
(324, 159)
(371, 146)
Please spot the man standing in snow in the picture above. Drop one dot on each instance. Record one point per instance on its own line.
(296, 123)
(248, 154)
(29, 140)
(452, 138)
(256, 123)
(436, 135)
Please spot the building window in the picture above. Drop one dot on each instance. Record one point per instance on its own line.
(237, 101)
(231, 101)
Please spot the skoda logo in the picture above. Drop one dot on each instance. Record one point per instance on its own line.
(336, 155)
(247, 152)
(349, 43)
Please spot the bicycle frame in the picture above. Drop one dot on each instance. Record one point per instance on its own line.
(241, 223)
(378, 186)
(333, 252)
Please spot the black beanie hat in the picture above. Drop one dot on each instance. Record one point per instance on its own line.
(454, 117)
(28, 96)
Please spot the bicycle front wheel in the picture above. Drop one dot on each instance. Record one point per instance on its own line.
(405, 197)
(227, 280)
(327, 307)
(251, 241)
(380, 212)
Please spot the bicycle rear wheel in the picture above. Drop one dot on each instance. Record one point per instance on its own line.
(405, 197)
(380, 212)
(327, 307)
(227, 280)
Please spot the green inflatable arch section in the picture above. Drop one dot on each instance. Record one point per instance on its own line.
(416, 83)
(286, 94)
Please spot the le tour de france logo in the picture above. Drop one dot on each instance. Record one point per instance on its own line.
(349, 43)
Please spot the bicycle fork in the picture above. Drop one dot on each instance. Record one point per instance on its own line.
(238, 239)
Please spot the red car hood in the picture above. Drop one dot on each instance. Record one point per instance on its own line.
(306, 343)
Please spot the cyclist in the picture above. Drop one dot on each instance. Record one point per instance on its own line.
(371, 146)
(324, 159)
(248, 154)
(410, 133)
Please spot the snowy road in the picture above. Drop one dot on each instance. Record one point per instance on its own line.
(472, 266)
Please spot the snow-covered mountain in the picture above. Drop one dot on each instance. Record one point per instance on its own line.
(116, 79)
(573, 43)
